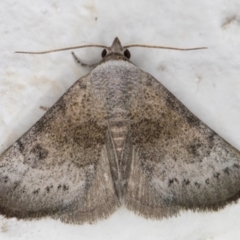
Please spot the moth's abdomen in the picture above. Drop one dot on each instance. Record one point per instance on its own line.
(119, 128)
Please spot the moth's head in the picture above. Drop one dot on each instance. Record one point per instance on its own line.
(116, 48)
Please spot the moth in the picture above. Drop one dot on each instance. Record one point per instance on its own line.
(117, 136)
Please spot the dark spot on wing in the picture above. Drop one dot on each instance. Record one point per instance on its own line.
(226, 170)
(5, 179)
(216, 175)
(186, 182)
(39, 151)
(235, 165)
(197, 185)
(65, 188)
(172, 181)
(15, 185)
(35, 156)
(207, 181)
(36, 191)
(193, 148)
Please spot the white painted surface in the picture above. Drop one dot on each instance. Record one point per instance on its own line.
(206, 81)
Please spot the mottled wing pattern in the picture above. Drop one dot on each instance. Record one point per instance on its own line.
(177, 161)
(60, 166)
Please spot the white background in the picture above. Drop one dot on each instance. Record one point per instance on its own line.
(206, 81)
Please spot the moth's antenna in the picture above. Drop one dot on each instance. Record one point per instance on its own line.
(162, 47)
(64, 49)
(102, 46)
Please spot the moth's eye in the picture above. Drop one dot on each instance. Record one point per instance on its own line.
(127, 54)
(104, 53)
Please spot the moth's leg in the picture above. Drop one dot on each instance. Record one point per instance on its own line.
(84, 64)
(44, 108)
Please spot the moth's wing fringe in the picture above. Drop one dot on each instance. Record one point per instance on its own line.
(101, 212)
(159, 213)
(148, 211)
(93, 216)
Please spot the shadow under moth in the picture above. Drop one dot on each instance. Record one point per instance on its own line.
(117, 136)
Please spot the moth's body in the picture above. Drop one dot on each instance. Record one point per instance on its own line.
(117, 136)
(114, 84)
